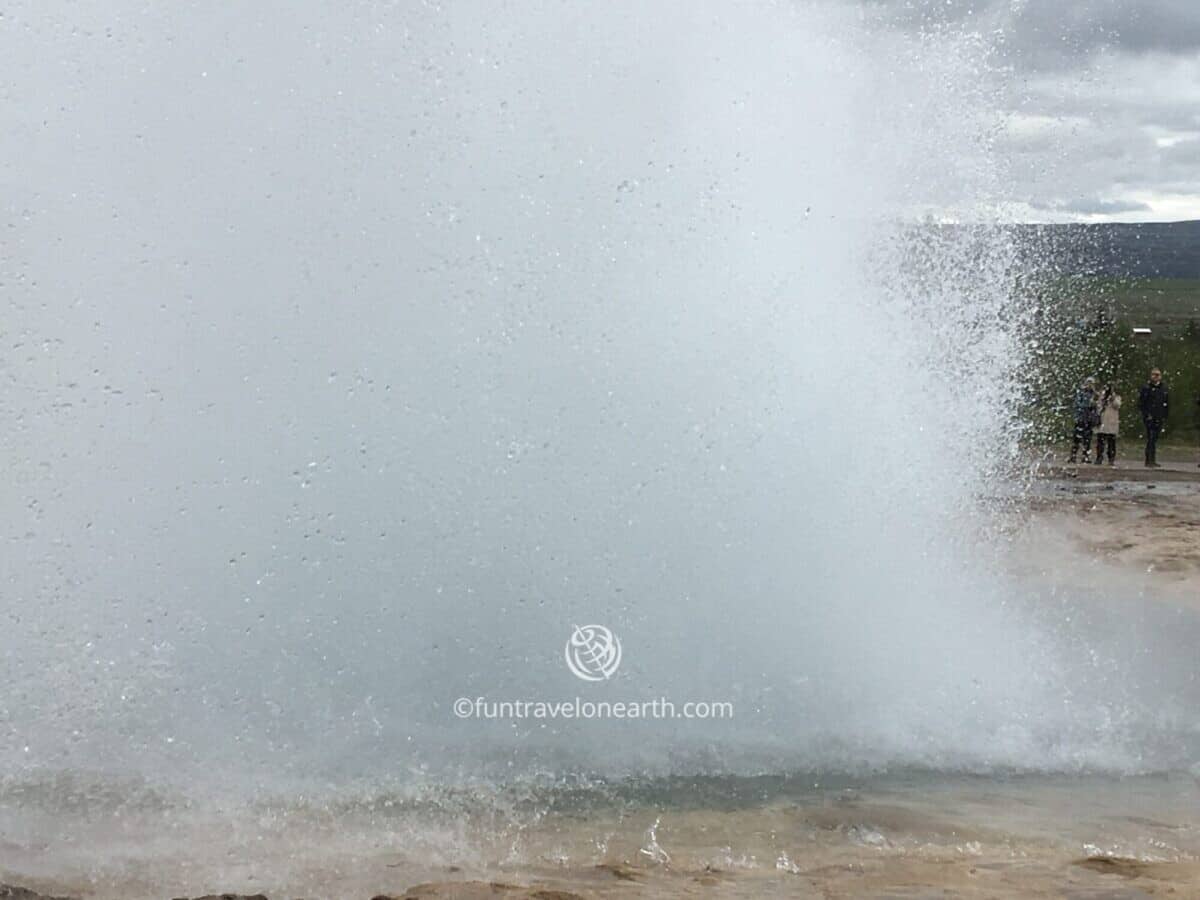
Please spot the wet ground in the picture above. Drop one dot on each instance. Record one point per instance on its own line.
(912, 834)
(901, 835)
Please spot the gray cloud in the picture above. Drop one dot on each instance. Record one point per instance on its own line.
(1092, 206)
(1120, 125)
(1186, 153)
(1137, 25)
(1102, 98)
(1045, 33)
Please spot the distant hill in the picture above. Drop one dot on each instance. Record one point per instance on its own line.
(1141, 250)
(1142, 274)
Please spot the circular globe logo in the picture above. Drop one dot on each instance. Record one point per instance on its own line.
(593, 653)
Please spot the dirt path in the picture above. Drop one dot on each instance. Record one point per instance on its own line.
(1132, 527)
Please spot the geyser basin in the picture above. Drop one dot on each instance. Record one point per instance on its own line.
(359, 356)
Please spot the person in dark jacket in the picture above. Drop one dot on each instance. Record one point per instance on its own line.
(1086, 416)
(1154, 404)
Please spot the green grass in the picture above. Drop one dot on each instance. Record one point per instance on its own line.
(1163, 304)
(1085, 327)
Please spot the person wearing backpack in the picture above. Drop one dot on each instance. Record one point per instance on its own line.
(1087, 417)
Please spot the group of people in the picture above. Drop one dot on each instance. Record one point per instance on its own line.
(1097, 412)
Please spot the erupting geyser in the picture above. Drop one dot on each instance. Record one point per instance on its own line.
(357, 357)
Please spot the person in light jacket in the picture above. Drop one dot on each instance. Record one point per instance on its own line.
(1110, 423)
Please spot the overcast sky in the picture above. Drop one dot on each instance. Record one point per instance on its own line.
(1102, 108)
(1098, 100)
